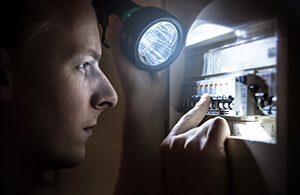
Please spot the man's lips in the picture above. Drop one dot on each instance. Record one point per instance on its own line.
(90, 127)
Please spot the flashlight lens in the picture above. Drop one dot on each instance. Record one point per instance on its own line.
(158, 43)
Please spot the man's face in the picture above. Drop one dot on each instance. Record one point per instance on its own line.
(58, 88)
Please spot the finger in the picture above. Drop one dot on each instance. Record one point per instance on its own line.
(218, 132)
(113, 36)
(199, 137)
(177, 142)
(114, 29)
(193, 117)
(213, 133)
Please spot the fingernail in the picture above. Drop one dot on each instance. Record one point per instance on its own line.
(204, 97)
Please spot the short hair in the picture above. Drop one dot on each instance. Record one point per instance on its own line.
(21, 20)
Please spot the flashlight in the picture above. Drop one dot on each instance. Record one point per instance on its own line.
(151, 38)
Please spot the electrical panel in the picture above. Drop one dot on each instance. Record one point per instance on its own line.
(238, 70)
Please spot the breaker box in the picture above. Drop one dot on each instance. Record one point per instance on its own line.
(238, 70)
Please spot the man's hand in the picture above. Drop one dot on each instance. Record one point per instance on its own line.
(141, 170)
(194, 157)
(138, 84)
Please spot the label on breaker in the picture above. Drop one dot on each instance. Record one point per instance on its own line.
(243, 99)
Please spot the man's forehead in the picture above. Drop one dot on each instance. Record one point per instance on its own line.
(80, 32)
(72, 29)
(77, 18)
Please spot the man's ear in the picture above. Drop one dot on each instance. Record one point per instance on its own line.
(5, 77)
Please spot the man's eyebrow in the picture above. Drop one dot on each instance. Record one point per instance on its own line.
(96, 55)
(80, 55)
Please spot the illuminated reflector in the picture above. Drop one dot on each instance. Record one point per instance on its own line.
(158, 43)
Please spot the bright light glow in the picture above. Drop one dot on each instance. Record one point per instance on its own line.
(254, 131)
(256, 54)
(241, 33)
(201, 31)
(158, 43)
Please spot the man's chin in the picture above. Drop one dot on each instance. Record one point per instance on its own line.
(71, 162)
(65, 162)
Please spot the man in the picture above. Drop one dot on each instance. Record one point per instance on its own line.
(52, 91)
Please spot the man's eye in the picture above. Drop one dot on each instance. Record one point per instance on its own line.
(85, 65)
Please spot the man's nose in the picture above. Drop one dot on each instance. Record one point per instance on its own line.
(104, 96)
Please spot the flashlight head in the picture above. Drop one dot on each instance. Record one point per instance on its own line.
(152, 38)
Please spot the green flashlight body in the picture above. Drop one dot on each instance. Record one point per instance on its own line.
(122, 8)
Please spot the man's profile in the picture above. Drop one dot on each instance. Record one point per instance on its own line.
(52, 92)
